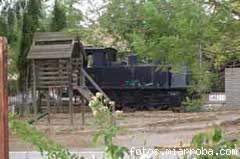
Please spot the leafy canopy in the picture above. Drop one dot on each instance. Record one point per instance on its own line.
(201, 34)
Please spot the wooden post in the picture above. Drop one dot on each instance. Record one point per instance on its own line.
(60, 104)
(48, 105)
(83, 110)
(35, 107)
(83, 115)
(71, 104)
(81, 77)
(3, 100)
(54, 90)
(70, 89)
(58, 100)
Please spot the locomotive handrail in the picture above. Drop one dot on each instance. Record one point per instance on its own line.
(94, 83)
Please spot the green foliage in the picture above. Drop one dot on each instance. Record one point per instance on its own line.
(73, 14)
(201, 79)
(122, 18)
(59, 20)
(30, 135)
(193, 105)
(217, 135)
(175, 32)
(10, 27)
(12, 87)
(20, 19)
(214, 141)
(30, 25)
(104, 121)
(199, 34)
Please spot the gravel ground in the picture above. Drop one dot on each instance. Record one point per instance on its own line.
(146, 128)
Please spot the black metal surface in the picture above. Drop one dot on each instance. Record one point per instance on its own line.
(136, 76)
(132, 60)
(134, 84)
(146, 98)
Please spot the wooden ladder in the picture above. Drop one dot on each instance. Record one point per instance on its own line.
(84, 91)
(91, 80)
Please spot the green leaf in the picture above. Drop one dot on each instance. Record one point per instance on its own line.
(199, 140)
(217, 135)
(96, 137)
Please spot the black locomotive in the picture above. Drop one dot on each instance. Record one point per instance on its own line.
(133, 84)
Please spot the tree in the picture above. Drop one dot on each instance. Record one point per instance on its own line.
(11, 21)
(122, 18)
(200, 34)
(175, 32)
(66, 15)
(73, 13)
(3, 26)
(59, 21)
(30, 25)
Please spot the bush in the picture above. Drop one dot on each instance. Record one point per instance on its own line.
(30, 135)
(104, 120)
(193, 105)
(215, 141)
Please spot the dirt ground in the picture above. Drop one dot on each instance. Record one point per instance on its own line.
(146, 128)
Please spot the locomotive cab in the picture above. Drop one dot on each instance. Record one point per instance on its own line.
(100, 57)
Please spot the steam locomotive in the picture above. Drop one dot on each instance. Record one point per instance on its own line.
(133, 84)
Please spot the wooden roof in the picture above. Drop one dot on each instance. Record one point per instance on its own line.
(52, 36)
(51, 45)
(51, 51)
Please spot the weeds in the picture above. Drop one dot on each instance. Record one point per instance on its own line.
(103, 119)
(216, 142)
(108, 129)
(193, 105)
(30, 135)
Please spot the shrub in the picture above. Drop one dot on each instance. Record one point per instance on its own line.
(104, 120)
(215, 141)
(30, 135)
(193, 105)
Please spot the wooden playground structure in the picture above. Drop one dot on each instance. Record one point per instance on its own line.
(57, 66)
